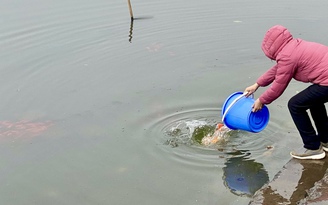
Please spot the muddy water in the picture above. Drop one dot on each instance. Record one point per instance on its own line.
(89, 99)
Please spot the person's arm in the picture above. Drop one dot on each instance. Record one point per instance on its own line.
(251, 89)
(280, 81)
(266, 79)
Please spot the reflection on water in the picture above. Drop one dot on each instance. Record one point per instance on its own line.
(131, 31)
(317, 192)
(243, 176)
(131, 25)
(308, 178)
(300, 181)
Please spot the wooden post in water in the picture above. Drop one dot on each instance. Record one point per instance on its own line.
(130, 8)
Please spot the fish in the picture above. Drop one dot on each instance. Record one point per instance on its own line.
(218, 135)
(22, 128)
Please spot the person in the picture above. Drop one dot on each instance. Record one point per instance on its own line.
(305, 62)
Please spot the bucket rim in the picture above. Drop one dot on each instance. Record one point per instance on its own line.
(228, 98)
(224, 107)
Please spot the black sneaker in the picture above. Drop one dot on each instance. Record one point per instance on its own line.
(309, 154)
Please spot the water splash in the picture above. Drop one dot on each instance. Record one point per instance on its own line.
(196, 132)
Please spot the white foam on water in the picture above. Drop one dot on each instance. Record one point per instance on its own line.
(192, 125)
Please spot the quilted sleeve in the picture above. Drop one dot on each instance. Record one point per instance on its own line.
(280, 79)
(268, 77)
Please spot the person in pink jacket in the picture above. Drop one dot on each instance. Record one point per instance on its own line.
(306, 62)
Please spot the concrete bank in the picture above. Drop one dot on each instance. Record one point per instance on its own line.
(299, 182)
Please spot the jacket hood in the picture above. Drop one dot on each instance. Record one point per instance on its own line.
(275, 40)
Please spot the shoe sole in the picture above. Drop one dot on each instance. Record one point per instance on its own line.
(318, 156)
(325, 149)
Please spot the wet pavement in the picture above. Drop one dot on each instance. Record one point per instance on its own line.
(301, 182)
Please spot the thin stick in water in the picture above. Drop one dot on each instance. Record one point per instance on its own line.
(130, 8)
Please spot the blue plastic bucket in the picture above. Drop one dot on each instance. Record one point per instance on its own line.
(237, 114)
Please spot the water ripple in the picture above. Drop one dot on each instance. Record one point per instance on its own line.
(174, 135)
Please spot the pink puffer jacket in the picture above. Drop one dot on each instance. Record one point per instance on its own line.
(302, 60)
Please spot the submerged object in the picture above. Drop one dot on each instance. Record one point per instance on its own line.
(218, 136)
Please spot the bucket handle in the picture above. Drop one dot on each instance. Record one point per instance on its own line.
(233, 102)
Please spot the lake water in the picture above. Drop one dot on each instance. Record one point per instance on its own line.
(97, 110)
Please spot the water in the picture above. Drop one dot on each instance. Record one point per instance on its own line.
(88, 98)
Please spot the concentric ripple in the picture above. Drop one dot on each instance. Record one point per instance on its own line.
(178, 135)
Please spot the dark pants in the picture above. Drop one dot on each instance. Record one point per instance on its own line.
(312, 98)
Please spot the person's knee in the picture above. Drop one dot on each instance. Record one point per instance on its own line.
(291, 104)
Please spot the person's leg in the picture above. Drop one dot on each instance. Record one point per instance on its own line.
(312, 98)
(319, 116)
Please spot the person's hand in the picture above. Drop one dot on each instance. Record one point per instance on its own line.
(251, 89)
(257, 105)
